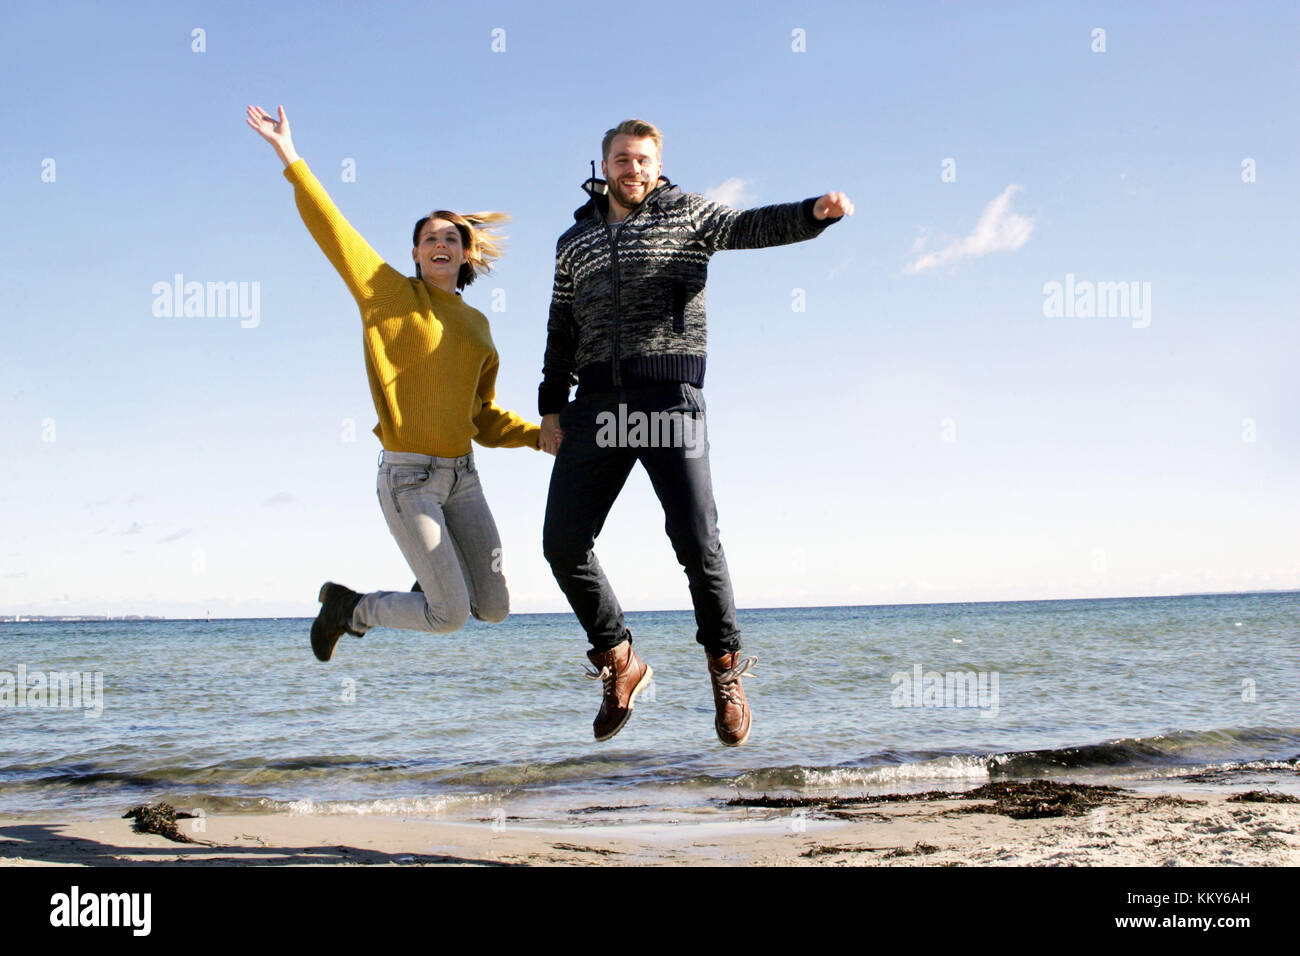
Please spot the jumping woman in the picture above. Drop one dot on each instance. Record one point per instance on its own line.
(432, 369)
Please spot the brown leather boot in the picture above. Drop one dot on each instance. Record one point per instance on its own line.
(625, 675)
(733, 720)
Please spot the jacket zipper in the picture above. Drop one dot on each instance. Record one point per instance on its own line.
(618, 308)
(613, 266)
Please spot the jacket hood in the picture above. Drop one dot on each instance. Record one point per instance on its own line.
(598, 190)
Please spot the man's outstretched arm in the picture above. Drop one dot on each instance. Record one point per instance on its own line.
(721, 227)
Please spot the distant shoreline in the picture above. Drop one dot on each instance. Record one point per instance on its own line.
(134, 618)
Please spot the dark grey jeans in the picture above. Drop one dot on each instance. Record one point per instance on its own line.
(605, 435)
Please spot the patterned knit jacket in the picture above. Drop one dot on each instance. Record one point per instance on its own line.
(628, 303)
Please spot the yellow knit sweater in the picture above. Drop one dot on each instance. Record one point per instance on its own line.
(429, 356)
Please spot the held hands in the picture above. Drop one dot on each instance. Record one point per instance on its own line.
(551, 436)
(274, 132)
(832, 205)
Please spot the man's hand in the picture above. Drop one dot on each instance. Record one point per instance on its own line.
(832, 205)
(551, 436)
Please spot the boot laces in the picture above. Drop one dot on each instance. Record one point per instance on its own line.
(605, 674)
(728, 681)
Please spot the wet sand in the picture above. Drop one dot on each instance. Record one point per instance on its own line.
(1147, 829)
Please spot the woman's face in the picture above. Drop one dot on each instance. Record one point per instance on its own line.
(440, 252)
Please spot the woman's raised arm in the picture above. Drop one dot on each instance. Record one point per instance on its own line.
(364, 271)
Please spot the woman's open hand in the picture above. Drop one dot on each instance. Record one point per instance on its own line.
(276, 132)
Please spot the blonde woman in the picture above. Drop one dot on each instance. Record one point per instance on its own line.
(432, 369)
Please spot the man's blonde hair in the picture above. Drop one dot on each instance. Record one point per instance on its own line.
(633, 127)
(483, 244)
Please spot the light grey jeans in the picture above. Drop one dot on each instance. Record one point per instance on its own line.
(440, 519)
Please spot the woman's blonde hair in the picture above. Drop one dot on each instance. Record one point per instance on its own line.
(483, 243)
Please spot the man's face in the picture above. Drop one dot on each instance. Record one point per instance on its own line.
(631, 169)
(440, 252)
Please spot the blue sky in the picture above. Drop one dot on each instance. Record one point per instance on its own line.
(916, 433)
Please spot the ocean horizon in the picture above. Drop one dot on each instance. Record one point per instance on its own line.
(36, 618)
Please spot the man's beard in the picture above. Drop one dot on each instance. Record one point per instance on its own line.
(626, 201)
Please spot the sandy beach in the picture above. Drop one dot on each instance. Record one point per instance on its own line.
(1124, 829)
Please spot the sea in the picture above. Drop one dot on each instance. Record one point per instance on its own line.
(1185, 693)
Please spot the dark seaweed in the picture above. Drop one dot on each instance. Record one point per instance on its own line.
(1030, 799)
(160, 818)
(1263, 796)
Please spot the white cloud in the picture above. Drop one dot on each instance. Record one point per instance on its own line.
(998, 230)
(734, 192)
